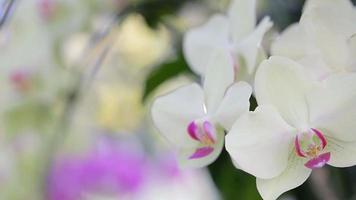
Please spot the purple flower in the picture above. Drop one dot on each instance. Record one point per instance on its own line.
(107, 169)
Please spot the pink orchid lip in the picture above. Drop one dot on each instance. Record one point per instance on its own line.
(319, 161)
(313, 151)
(202, 152)
(205, 133)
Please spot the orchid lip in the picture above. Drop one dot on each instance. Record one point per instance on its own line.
(201, 152)
(314, 148)
(205, 133)
(319, 161)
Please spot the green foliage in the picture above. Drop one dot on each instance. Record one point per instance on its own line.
(231, 182)
(33, 115)
(163, 73)
(154, 10)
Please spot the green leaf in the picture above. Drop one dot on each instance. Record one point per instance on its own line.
(163, 73)
(231, 182)
(154, 10)
(29, 115)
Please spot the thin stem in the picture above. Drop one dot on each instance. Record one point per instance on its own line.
(6, 13)
(71, 100)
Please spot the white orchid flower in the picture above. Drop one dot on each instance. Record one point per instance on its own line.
(192, 118)
(324, 40)
(299, 125)
(236, 32)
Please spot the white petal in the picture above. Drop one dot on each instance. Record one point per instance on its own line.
(219, 76)
(329, 27)
(185, 153)
(343, 154)
(242, 73)
(310, 4)
(249, 48)
(242, 17)
(352, 44)
(199, 43)
(283, 83)
(295, 44)
(259, 142)
(316, 67)
(337, 16)
(173, 112)
(235, 103)
(332, 106)
(292, 43)
(294, 175)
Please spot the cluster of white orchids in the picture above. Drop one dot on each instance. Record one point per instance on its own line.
(306, 95)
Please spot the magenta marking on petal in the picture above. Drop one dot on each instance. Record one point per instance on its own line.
(319, 161)
(321, 137)
(193, 130)
(298, 149)
(209, 129)
(201, 152)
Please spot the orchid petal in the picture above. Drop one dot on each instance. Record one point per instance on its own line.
(329, 27)
(352, 44)
(173, 112)
(294, 175)
(315, 66)
(200, 43)
(343, 154)
(235, 103)
(219, 76)
(292, 43)
(250, 47)
(242, 17)
(260, 142)
(283, 83)
(310, 4)
(337, 16)
(295, 44)
(332, 106)
(201, 156)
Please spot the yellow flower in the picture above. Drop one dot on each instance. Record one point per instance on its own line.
(119, 107)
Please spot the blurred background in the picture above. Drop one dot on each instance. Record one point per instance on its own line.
(76, 82)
